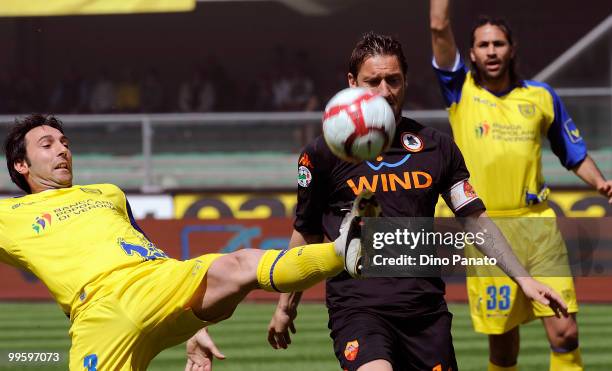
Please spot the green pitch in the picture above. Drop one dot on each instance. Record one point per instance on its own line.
(36, 327)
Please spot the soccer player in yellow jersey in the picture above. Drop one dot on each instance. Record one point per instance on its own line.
(498, 121)
(126, 299)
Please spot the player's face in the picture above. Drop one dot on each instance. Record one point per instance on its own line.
(491, 52)
(49, 160)
(383, 75)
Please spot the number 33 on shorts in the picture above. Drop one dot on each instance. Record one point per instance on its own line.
(498, 297)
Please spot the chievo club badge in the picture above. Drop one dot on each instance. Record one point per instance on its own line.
(412, 142)
(351, 350)
(304, 176)
(527, 110)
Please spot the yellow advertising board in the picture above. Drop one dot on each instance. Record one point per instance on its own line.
(263, 206)
(235, 205)
(573, 204)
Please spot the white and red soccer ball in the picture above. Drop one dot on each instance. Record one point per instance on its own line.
(358, 124)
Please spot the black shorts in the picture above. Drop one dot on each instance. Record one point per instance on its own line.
(421, 343)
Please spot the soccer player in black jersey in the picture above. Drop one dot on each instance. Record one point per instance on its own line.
(383, 323)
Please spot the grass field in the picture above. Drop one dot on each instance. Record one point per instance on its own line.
(38, 327)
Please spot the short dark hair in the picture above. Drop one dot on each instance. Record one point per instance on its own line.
(15, 146)
(372, 44)
(504, 26)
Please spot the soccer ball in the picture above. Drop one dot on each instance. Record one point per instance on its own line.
(358, 124)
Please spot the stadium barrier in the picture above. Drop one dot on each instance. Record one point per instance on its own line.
(154, 153)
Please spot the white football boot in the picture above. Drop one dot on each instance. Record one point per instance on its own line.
(348, 244)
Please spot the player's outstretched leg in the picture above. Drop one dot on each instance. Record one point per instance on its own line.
(231, 277)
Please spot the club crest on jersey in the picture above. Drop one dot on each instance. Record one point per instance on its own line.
(527, 110)
(41, 222)
(304, 176)
(412, 142)
(351, 350)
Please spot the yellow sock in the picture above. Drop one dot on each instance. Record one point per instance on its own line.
(570, 361)
(494, 367)
(299, 268)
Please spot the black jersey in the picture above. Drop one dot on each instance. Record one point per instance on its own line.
(421, 164)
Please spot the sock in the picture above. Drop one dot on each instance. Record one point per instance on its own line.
(494, 367)
(299, 268)
(566, 361)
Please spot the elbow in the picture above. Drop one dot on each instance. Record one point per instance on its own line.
(574, 164)
(438, 25)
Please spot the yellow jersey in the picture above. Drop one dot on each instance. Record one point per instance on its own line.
(69, 237)
(500, 136)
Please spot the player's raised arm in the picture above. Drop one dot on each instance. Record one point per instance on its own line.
(442, 38)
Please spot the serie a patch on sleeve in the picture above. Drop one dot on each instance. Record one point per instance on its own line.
(461, 194)
(304, 176)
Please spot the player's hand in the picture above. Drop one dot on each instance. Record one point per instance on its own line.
(278, 329)
(200, 352)
(543, 294)
(605, 189)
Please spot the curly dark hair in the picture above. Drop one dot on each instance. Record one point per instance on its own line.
(15, 145)
(502, 24)
(372, 44)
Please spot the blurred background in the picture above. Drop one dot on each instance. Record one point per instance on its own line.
(176, 100)
(199, 115)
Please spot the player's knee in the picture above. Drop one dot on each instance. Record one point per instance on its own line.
(248, 258)
(237, 270)
(225, 273)
(246, 264)
(227, 283)
(565, 337)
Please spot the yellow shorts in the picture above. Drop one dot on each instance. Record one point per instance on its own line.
(132, 314)
(497, 305)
